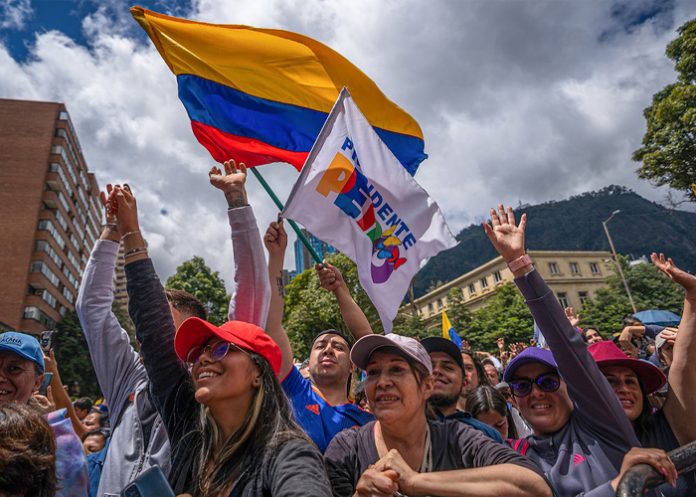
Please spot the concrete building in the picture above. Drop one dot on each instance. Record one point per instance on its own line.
(573, 276)
(49, 214)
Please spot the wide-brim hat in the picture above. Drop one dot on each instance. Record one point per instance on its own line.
(439, 344)
(195, 332)
(606, 354)
(529, 355)
(410, 347)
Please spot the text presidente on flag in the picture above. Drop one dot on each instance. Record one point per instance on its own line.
(359, 199)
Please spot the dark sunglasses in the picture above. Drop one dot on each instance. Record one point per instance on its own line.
(217, 352)
(547, 382)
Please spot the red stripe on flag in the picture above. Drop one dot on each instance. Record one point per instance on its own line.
(224, 146)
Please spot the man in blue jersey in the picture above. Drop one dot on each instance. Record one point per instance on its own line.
(320, 402)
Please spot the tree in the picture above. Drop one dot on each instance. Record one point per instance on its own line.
(650, 290)
(669, 144)
(460, 317)
(72, 356)
(195, 277)
(504, 315)
(310, 309)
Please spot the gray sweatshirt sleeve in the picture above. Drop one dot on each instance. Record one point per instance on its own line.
(116, 364)
(591, 393)
(252, 294)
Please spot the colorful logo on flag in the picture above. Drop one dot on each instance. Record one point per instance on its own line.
(362, 202)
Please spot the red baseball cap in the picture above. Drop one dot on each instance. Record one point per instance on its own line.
(606, 353)
(194, 332)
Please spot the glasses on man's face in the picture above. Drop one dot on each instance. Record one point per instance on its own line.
(216, 352)
(547, 382)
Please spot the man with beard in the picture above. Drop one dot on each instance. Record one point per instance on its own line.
(450, 380)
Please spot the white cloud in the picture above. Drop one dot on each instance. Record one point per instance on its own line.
(519, 101)
(15, 13)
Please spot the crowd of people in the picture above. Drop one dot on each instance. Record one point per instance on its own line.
(230, 410)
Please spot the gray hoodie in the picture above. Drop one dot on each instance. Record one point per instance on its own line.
(138, 437)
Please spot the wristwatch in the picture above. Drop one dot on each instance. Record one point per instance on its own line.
(519, 263)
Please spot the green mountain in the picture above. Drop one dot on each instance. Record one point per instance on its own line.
(640, 228)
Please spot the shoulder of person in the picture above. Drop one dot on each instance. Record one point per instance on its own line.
(351, 438)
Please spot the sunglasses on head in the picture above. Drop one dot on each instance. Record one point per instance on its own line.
(547, 382)
(217, 351)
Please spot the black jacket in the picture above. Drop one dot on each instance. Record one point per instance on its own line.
(294, 469)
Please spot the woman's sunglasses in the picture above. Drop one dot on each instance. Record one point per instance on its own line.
(547, 382)
(217, 351)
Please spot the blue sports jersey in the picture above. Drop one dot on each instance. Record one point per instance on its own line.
(317, 418)
(466, 418)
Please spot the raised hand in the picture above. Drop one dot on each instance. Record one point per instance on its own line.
(572, 317)
(126, 210)
(275, 239)
(108, 202)
(232, 182)
(330, 277)
(506, 236)
(684, 279)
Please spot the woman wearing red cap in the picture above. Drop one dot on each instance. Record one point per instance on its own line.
(633, 380)
(216, 389)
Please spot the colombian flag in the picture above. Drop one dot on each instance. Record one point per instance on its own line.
(262, 95)
(449, 332)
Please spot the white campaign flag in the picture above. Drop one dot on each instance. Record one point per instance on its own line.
(354, 194)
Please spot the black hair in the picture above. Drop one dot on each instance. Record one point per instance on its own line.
(486, 398)
(99, 432)
(186, 303)
(84, 403)
(103, 417)
(483, 379)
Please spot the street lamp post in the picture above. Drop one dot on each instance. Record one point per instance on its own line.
(617, 262)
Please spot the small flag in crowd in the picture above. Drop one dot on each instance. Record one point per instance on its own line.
(262, 95)
(353, 194)
(449, 332)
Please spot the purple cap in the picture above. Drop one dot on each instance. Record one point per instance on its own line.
(530, 354)
(363, 349)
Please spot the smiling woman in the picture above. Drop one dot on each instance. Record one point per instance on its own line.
(404, 451)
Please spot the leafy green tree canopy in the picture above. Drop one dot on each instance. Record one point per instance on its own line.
(650, 290)
(668, 153)
(195, 277)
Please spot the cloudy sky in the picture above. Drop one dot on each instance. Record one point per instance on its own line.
(519, 101)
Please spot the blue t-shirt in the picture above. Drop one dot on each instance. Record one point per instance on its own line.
(317, 418)
(466, 418)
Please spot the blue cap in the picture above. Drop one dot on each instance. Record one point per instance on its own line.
(23, 345)
(530, 354)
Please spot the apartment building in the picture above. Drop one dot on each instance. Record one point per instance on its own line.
(49, 214)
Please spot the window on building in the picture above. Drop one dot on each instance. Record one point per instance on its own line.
(553, 268)
(574, 268)
(49, 299)
(41, 267)
(35, 313)
(484, 282)
(583, 296)
(472, 289)
(496, 277)
(63, 116)
(594, 267)
(430, 308)
(439, 304)
(563, 299)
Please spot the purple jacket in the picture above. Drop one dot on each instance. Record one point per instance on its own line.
(586, 454)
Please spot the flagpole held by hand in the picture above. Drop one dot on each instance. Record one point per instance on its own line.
(292, 223)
